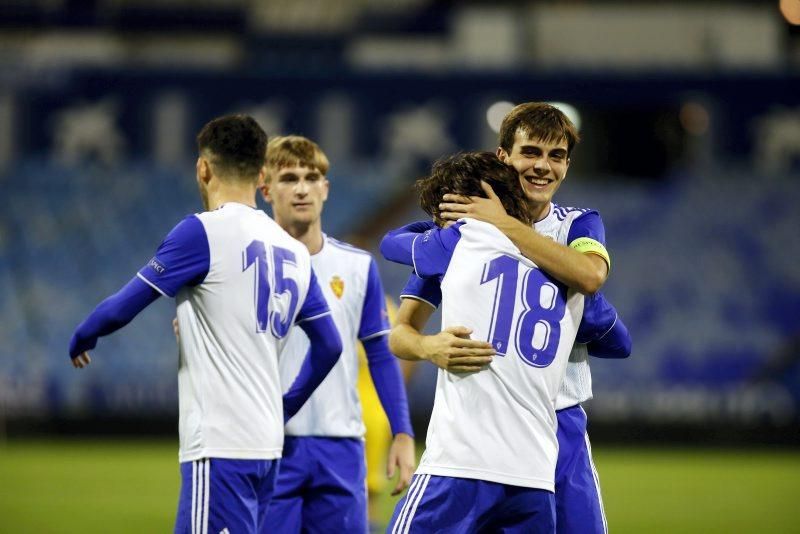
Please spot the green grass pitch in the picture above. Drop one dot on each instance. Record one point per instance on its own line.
(132, 486)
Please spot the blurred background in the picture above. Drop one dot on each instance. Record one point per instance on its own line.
(690, 118)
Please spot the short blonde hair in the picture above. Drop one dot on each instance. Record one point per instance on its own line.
(295, 150)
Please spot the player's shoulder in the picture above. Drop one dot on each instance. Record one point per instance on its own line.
(473, 228)
(474, 235)
(346, 249)
(564, 213)
(229, 211)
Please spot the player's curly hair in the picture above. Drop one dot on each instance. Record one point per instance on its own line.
(538, 120)
(235, 144)
(462, 173)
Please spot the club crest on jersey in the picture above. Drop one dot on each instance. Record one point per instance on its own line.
(337, 286)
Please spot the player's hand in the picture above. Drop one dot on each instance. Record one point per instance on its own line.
(81, 360)
(175, 329)
(453, 350)
(488, 210)
(402, 457)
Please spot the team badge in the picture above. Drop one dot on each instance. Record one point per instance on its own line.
(337, 286)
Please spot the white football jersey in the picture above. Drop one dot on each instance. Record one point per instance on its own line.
(499, 424)
(577, 385)
(334, 409)
(233, 321)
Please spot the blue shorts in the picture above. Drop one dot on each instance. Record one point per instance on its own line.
(579, 506)
(321, 487)
(222, 495)
(463, 505)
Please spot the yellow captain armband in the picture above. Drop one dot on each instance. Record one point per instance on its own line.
(587, 245)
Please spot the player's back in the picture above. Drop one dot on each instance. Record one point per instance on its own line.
(232, 327)
(499, 424)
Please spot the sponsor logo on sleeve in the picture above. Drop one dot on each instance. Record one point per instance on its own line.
(157, 266)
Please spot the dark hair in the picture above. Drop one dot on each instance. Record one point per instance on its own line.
(462, 173)
(235, 144)
(538, 120)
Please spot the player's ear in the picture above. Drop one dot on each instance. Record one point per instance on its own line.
(265, 183)
(264, 188)
(203, 170)
(502, 155)
(326, 187)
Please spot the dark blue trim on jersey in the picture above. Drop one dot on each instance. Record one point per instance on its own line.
(416, 227)
(374, 317)
(385, 372)
(587, 225)
(598, 318)
(615, 343)
(433, 250)
(603, 330)
(396, 244)
(182, 259)
(426, 289)
(326, 347)
(315, 303)
(561, 212)
(112, 314)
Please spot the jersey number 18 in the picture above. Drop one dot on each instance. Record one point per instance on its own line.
(538, 323)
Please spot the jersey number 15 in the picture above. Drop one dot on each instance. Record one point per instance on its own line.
(256, 255)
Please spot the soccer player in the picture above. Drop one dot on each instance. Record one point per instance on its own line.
(568, 244)
(321, 483)
(491, 449)
(240, 283)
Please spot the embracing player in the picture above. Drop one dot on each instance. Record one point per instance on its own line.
(240, 284)
(569, 244)
(491, 449)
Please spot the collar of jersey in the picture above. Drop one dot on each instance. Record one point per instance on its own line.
(549, 214)
(232, 203)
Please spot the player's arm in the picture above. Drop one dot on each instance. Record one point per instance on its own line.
(181, 259)
(428, 252)
(616, 343)
(582, 271)
(397, 244)
(388, 380)
(109, 316)
(603, 330)
(326, 347)
(451, 350)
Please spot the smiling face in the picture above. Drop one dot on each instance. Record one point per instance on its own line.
(541, 165)
(297, 194)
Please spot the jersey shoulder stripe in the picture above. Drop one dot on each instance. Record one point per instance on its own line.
(562, 212)
(347, 246)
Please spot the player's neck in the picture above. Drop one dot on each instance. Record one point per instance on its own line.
(308, 234)
(241, 194)
(540, 212)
